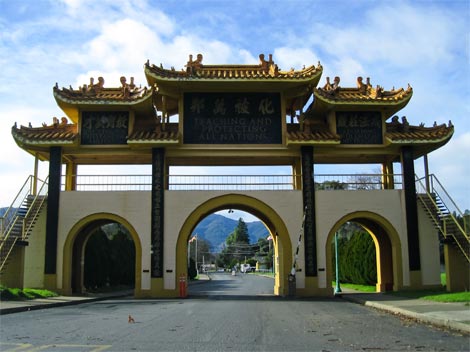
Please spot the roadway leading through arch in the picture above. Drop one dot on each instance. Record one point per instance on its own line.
(272, 221)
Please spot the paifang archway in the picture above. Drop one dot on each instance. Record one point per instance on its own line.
(272, 220)
(387, 246)
(75, 245)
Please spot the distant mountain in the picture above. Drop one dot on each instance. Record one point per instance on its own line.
(215, 228)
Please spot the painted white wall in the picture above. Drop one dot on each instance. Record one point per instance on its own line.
(35, 253)
(134, 206)
(428, 249)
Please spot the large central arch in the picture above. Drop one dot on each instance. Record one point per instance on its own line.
(272, 220)
(387, 245)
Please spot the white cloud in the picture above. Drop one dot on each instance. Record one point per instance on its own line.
(287, 58)
(451, 166)
(394, 43)
(401, 35)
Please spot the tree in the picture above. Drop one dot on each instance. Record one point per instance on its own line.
(264, 253)
(237, 246)
(109, 258)
(357, 258)
(203, 251)
(330, 185)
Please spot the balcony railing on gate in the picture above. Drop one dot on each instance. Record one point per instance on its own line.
(235, 182)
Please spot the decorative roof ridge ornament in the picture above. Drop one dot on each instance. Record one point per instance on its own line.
(193, 66)
(363, 91)
(331, 89)
(56, 124)
(268, 66)
(364, 88)
(126, 88)
(97, 92)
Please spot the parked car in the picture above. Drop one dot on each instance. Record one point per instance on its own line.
(247, 268)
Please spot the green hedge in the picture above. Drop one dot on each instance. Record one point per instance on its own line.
(357, 259)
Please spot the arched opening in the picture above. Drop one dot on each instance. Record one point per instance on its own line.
(387, 249)
(274, 224)
(233, 249)
(101, 253)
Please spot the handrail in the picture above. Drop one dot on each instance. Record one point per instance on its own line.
(3, 262)
(8, 237)
(142, 182)
(39, 197)
(446, 201)
(4, 220)
(441, 217)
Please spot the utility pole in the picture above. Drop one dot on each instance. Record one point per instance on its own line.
(197, 269)
(338, 287)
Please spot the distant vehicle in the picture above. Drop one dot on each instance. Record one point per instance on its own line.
(247, 268)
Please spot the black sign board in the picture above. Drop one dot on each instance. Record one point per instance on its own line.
(104, 127)
(232, 118)
(158, 177)
(359, 127)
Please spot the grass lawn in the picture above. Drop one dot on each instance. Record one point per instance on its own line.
(436, 295)
(440, 295)
(18, 294)
(357, 287)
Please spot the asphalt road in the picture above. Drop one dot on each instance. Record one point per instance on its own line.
(221, 318)
(240, 285)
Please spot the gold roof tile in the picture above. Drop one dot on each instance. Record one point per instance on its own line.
(57, 133)
(169, 135)
(363, 93)
(265, 70)
(96, 93)
(402, 133)
(310, 135)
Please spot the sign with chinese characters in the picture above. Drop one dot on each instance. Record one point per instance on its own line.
(232, 118)
(158, 177)
(104, 127)
(359, 127)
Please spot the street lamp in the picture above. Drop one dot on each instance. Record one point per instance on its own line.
(338, 287)
(194, 238)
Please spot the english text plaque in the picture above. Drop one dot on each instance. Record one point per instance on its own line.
(104, 127)
(359, 127)
(232, 118)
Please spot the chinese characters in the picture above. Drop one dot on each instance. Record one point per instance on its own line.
(232, 118)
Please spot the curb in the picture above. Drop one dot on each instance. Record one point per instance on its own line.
(444, 323)
(19, 309)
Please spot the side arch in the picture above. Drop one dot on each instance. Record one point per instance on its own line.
(91, 221)
(387, 245)
(272, 220)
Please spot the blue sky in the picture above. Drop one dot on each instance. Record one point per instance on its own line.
(423, 43)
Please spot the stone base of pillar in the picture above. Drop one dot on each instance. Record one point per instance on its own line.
(457, 269)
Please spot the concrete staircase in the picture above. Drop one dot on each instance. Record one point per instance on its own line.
(19, 220)
(452, 224)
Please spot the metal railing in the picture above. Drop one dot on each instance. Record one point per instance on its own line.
(20, 217)
(11, 213)
(446, 215)
(437, 193)
(357, 182)
(230, 182)
(111, 182)
(233, 182)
